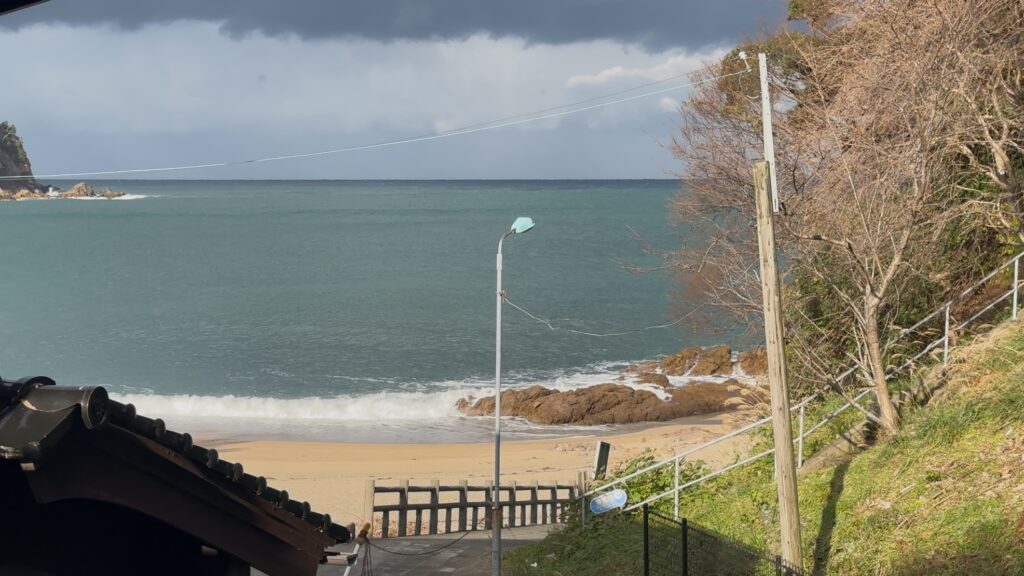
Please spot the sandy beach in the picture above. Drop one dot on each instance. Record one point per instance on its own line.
(332, 477)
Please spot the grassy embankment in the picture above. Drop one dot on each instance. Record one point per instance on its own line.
(943, 496)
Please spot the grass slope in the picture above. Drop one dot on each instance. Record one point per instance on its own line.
(944, 496)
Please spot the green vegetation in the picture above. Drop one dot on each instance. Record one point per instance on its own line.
(13, 159)
(944, 495)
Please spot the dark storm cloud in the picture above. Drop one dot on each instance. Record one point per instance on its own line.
(656, 24)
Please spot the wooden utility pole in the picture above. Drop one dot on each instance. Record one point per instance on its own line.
(785, 467)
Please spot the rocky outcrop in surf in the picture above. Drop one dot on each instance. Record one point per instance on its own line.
(754, 362)
(695, 381)
(604, 404)
(693, 361)
(79, 191)
(17, 181)
(697, 361)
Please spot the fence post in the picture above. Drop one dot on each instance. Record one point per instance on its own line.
(368, 497)
(778, 565)
(800, 439)
(533, 502)
(463, 506)
(675, 492)
(403, 512)
(435, 498)
(647, 549)
(1016, 281)
(582, 483)
(686, 550)
(511, 503)
(945, 341)
(488, 498)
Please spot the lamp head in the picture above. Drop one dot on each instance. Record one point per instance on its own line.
(521, 225)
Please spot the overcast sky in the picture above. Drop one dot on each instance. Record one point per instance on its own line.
(120, 84)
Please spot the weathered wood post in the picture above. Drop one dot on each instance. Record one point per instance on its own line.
(463, 512)
(435, 498)
(403, 512)
(785, 467)
(488, 497)
(533, 502)
(368, 496)
(511, 502)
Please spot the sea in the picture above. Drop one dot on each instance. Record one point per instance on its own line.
(337, 310)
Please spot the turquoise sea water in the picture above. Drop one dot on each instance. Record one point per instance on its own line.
(312, 307)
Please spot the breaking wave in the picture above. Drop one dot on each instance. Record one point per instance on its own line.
(435, 401)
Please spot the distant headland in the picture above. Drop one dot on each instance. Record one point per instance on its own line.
(18, 183)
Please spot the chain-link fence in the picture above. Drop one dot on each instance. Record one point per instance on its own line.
(678, 547)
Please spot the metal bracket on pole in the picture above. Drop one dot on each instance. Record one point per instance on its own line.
(945, 341)
(1016, 284)
(766, 130)
(800, 439)
(675, 492)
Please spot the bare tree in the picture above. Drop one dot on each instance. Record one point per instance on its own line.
(986, 42)
(878, 136)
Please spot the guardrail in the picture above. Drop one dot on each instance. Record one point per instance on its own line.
(466, 508)
(950, 326)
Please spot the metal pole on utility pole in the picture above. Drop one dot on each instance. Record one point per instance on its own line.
(785, 467)
(766, 129)
(1016, 285)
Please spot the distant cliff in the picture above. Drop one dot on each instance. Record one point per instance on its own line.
(14, 161)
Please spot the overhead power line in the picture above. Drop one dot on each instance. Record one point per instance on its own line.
(551, 325)
(535, 116)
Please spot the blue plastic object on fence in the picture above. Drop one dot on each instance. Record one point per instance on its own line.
(608, 501)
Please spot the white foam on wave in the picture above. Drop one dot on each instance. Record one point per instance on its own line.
(371, 407)
(124, 197)
(436, 401)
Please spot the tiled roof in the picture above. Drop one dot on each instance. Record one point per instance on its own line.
(12, 5)
(35, 414)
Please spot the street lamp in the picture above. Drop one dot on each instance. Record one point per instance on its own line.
(520, 226)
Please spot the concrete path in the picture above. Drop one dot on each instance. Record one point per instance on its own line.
(470, 556)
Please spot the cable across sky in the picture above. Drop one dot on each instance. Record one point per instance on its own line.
(535, 116)
(551, 325)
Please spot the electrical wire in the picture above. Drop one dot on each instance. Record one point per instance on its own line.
(423, 553)
(545, 114)
(551, 325)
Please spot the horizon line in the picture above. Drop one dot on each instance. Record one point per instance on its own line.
(364, 179)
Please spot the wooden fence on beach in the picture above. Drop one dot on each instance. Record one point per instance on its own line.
(440, 509)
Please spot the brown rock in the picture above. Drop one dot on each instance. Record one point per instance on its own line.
(703, 397)
(640, 368)
(602, 404)
(714, 360)
(110, 194)
(6, 195)
(754, 362)
(26, 193)
(653, 378)
(80, 190)
(681, 363)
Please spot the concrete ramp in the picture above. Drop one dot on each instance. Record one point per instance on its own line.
(429, 555)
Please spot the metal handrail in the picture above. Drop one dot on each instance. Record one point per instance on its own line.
(678, 457)
(801, 406)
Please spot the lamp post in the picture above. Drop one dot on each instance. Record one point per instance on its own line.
(520, 226)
